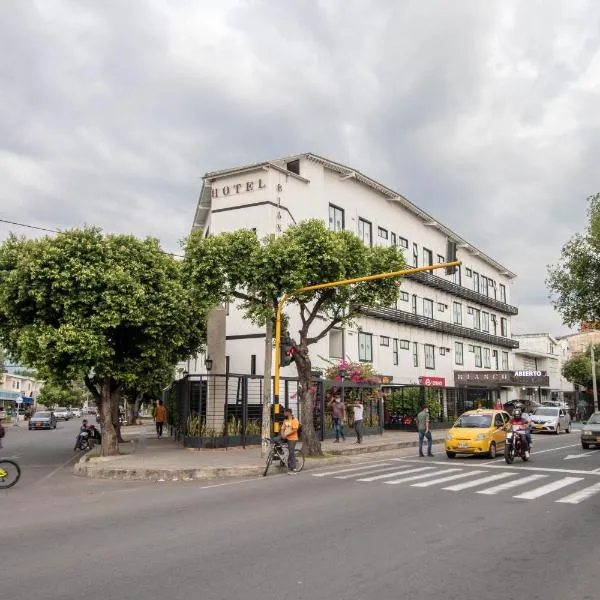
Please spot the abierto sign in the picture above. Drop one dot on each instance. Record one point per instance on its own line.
(438, 382)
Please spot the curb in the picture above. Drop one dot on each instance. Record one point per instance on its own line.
(378, 448)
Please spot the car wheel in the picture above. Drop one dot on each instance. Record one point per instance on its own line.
(492, 451)
(30, 428)
(558, 430)
(450, 454)
(585, 446)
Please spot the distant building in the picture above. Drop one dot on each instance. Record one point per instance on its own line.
(14, 386)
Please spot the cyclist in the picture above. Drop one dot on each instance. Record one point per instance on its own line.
(289, 434)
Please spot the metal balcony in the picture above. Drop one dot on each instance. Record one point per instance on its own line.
(401, 316)
(440, 283)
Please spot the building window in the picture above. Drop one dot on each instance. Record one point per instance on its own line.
(468, 273)
(384, 340)
(551, 348)
(457, 278)
(336, 218)
(487, 361)
(457, 313)
(227, 362)
(415, 354)
(495, 359)
(441, 306)
(502, 293)
(395, 352)
(441, 259)
(429, 356)
(365, 232)
(485, 321)
(427, 257)
(415, 255)
(16, 384)
(442, 351)
(459, 353)
(493, 288)
(365, 347)
(503, 327)
(505, 361)
(382, 233)
(253, 364)
(476, 318)
(494, 325)
(404, 345)
(484, 286)
(404, 296)
(393, 239)
(476, 281)
(428, 308)
(477, 350)
(471, 348)
(336, 343)
(402, 242)
(414, 304)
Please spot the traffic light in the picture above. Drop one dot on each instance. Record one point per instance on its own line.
(451, 256)
(287, 351)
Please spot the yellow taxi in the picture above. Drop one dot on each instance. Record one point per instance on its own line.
(480, 431)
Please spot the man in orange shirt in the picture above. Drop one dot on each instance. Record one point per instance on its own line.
(289, 433)
(160, 416)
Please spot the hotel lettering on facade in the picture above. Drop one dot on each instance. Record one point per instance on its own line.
(441, 326)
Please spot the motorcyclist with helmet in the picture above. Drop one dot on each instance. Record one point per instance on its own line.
(520, 422)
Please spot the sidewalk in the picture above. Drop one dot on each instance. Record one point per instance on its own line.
(146, 458)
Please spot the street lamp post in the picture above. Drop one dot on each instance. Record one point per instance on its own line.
(594, 386)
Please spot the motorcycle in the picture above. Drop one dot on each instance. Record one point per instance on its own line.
(515, 444)
(83, 442)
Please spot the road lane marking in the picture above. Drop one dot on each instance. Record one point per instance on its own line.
(394, 473)
(380, 470)
(422, 476)
(510, 484)
(555, 449)
(548, 488)
(581, 495)
(469, 484)
(363, 467)
(444, 479)
(59, 468)
(572, 456)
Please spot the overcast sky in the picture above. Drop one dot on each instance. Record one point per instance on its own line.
(485, 114)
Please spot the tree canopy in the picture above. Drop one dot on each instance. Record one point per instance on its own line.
(59, 395)
(574, 281)
(259, 273)
(578, 369)
(102, 308)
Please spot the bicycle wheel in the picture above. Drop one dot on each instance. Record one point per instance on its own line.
(299, 460)
(9, 473)
(269, 460)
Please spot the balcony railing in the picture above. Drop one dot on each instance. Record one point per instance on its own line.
(401, 316)
(440, 283)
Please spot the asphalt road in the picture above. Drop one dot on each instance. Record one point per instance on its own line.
(456, 529)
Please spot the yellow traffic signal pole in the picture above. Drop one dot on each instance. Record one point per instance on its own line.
(331, 284)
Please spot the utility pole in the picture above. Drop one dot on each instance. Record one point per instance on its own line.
(594, 386)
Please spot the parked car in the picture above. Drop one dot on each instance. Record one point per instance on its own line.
(76, 412)
(551, 418)
(44, 419)
(480, 431)
(590, 434)
(62, 413)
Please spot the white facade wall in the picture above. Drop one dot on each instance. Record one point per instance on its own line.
(269, 199)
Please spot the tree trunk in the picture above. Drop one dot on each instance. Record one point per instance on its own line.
(109, 399)
(267, 401)
(116, 413)
(311, 444)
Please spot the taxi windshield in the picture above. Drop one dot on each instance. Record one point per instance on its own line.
(474, 421)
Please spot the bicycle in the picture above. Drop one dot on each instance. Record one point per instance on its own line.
(279, 451)
(10, 472)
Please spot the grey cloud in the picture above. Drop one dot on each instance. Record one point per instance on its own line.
(482, 113)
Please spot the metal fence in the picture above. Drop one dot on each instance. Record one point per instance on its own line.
(219, 411)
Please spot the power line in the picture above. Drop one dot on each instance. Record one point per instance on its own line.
(57, 231)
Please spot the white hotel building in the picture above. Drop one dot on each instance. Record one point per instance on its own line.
(446, 330)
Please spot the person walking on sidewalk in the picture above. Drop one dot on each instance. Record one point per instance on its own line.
(289, 433)
(424, 432)
(160, 416)
(339, 416)
(359, 410)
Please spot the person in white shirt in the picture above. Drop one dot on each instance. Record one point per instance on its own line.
(358, 420)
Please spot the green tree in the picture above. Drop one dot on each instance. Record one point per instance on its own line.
(574, 281)
(59, 395)
(102, 309)
(305, 254)
(578, 369)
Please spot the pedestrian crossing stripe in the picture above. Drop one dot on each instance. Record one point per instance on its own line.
(429, 476)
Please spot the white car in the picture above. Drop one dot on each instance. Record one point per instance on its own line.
(551, 418)
(63, 413)
(76, 412)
